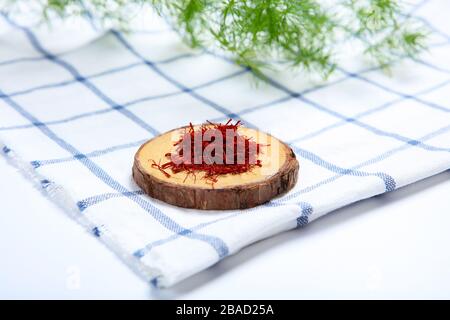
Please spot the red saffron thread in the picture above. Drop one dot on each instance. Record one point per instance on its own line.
(158, 166)
(212, 170)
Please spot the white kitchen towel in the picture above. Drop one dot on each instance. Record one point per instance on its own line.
(73, 118)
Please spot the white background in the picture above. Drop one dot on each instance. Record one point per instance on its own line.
(391, 246)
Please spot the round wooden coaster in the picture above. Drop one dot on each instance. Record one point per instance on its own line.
(277, 175)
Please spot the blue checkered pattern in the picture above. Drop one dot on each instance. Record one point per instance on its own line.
(72, 120)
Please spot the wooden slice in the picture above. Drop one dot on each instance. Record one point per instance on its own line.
(277, 175)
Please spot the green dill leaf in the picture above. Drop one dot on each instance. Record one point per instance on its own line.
(273, 34)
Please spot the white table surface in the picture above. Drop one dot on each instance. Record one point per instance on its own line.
(392, 246)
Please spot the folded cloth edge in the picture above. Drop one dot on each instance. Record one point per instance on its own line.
(58, 195)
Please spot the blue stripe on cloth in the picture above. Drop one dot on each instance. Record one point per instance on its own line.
(354, 120)
(418, 6)
(97, 75)
(433, 28)
(19, 60)
(86, 203)
(36, 44)
(176, 83)
(403, 95)
(45, 183)
(96, 232)
(305, 211)
(97, 153)
(366, 113)
(371, 161)
(86, 13)
(143, 251)
(432, 66)
(393, 151)
(389, 182)
(30, 59)
(127, 104)
(291, 96)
